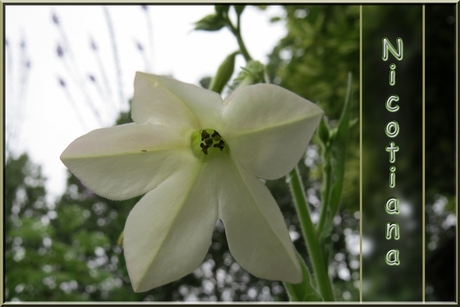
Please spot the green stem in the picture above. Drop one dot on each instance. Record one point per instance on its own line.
(326, 186)
(309, 233)
(237, 33)
(239, 38)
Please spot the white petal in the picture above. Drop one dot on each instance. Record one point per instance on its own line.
(168, 233)
(171, 102)
(256, 232)
(268, 128)
(128, 160)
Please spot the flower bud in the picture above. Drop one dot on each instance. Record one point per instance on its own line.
(224, 73)
(239, 8)
(254, 72)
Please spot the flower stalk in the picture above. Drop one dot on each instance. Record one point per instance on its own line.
(310, 235)
(326, 187)
(236, 31)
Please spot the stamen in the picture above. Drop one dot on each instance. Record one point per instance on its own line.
(209, 140)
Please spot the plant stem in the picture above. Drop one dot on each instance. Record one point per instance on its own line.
(326, 187)
(237, 33)
(310, 235)
(239, 38)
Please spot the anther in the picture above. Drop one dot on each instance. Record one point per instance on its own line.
(204, 134)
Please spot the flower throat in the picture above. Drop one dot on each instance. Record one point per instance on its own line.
(208, 142)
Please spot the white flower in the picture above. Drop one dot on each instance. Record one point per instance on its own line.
(198, 159)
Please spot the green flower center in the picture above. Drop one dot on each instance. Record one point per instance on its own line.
(208, 142)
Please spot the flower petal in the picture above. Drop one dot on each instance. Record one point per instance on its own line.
(169, 231)
(256, 232)
(168, 101)
(268, 128)
(127, 160)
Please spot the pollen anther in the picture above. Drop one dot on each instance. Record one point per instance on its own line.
(211, 140)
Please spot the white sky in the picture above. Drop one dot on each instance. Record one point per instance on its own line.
(43, 116)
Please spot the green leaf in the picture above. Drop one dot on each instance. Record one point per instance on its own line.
(275, 19)
(324, 238)
(210, 22)
(303, 291)
(205, 82)
(338, 152)
(334, 142)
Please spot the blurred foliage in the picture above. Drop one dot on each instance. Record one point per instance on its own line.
(313, 60)
(67, 250)
(320, 48)
(60, 251)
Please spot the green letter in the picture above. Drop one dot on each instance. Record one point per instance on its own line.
(392, 129)
(392, 206)
(386, 45)
(392, 257)
(388, 104)
(390, 228)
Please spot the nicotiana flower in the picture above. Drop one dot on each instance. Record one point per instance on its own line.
(199, 158)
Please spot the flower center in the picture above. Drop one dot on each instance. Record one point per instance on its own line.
(208, 142)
